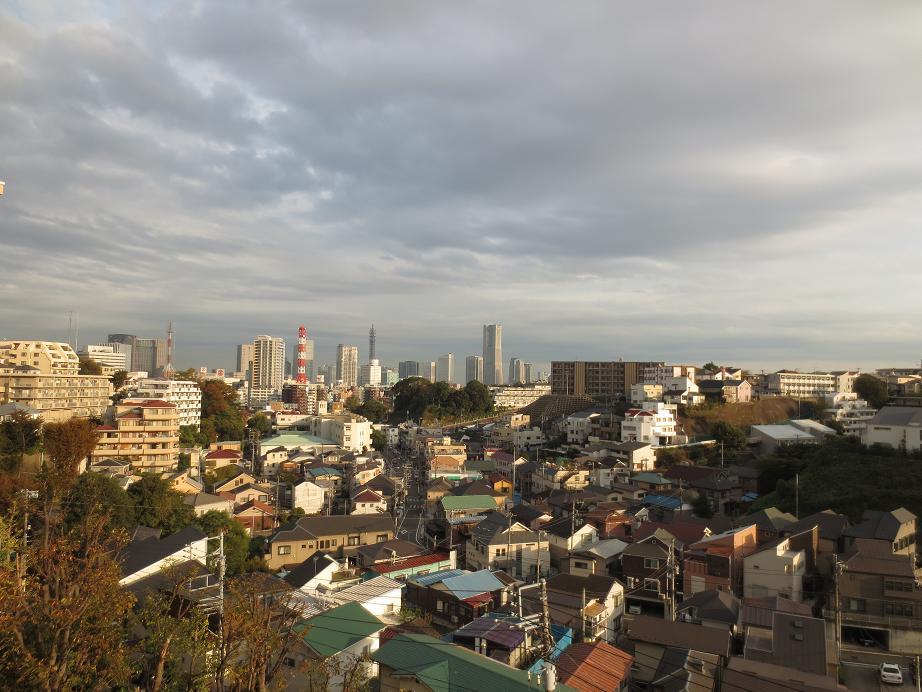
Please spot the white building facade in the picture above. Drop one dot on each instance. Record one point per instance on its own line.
(652, 422)
(187, 397)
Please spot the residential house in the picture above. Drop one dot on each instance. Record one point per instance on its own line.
(651, 482)
(643, 392)
(880, 596)
(479, 488)
(717, 561)
(677, 655)
(780, 567)
(381, 596)
(257, 517)
(500, 542)
(548, 477)
(742, 675)
(344, 637)
(504, 461)
(500, 484)
(883, 533)
(241, 477)
(899, 427)
(796, 642)
(639, 456)
(531, 516)
(315, 573)
(424, 664)
(682, 390)
(796, 432)
(458, 506)
(148, 554)
(592, 606)
(643, 566)
(309, 496)
(769, 522)
(713, 608)
(728, 391)
(455, 597)
(218, 458)
(272, 459)
(202, 503)
(338, 534)
(368, 502)
(508, 639)
(652, 422)
(435, 491)
(830, 541)
(602, 558)
(567, 534)
(590, 667)
(185, 482)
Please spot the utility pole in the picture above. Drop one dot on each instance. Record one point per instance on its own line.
(797, 496)
(669, 613)
(837, 571)
(547, 639)
(582, 615)
(509, 522)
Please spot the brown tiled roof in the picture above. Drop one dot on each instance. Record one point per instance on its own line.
(223, 454)
(712, 640)
(593, 667)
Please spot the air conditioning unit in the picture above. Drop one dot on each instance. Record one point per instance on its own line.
(798, 636)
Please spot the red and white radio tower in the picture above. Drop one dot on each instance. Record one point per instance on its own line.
(302, 350)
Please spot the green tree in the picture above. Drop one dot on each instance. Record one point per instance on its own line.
(702, 507)
(95, 494)
(188, 375)
(378, 439)
(66, 446)
(732, 437)
(119, 378)
(221, 474)
(185, 461)
(236, 540)
(222, 417)
(261, 423)
(20, 435)
(90, 367)
(710, 366)
(871, 389)
(158, 505)
(191, 436)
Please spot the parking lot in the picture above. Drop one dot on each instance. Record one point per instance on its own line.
(864, 677)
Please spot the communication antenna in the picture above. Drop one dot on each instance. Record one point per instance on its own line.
(371, 343)
(168, 370)
(302, 353)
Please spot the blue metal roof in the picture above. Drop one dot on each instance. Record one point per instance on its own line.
(471, 584)
(436, 577)
(663, 501)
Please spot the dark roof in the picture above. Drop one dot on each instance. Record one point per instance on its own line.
(684, 532)
(564, 527)
(526, 513)
(596, 585)
(713, 604)
(396, 548)
(335, 525)
(500, 632)
(145, 551)
(831, 525)
(898, 415)
(797, 641)
(309, 569)
(761, 611)
(891, 566)
(754, 676)
(476, 487)
(882, 526)
(494, 523)
(712, 640)
(770, 519)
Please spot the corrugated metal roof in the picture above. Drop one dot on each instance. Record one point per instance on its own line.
(436, 577)
(473, 583)
(367, 590)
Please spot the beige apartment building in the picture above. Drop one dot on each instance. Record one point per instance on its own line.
(146, 434)
(45, 375)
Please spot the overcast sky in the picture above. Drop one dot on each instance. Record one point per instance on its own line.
(729, 181)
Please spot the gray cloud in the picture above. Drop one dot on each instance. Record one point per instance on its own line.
(608, 180)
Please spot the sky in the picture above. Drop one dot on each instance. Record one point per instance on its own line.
(688, 182)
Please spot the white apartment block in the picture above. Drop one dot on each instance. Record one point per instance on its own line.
(850, 412)
(801, 385)
(899, 427)
(186, 396)
(652, 422)
(646, 391)
(445, 368)
(370, 375)
(658, 374)
(346, 430)
(508, 396)
(347, 365)
(108, 358)
(268, 372)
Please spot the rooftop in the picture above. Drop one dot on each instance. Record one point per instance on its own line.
(337, 629)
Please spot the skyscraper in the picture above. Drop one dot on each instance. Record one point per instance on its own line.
(427, 369)
(268, 371)
(347, 364)
(516, 370)
(407, 368)
(473, 369)
(493, 354)
(245, 359)
(147, 355)
(445, 368)
(529, 373)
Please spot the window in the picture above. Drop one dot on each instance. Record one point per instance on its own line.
(857, 605)
(284, 550)
(381, 538)
(353, 540)
(898, 609)
(580, 565)
(650, 563)
(651, 585)
(290, 662)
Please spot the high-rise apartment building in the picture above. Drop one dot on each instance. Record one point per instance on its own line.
(492, 354)
(427, 369)
(516, 371)
(389, 377)
(146, 433)
(45, 375)
(245, 360)
(184, 395)
(407, 368)
(347, 364)
(597, 378)
(473, 369)
(147, 355)
(445, 368)
(370, 374)
(107, 357)
(268, 372)
(529, 373)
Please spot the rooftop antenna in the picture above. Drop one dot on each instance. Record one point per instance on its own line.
(73, 328)
(371, 343)
(302, 353)
(168, 370)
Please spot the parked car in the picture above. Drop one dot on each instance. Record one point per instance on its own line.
(866, 639)
(634, 609)
(891, 674)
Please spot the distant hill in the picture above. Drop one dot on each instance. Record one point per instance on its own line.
(698, 421)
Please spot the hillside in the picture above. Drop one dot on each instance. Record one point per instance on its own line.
(698, 421)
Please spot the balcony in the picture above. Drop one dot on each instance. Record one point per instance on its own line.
(850, 619)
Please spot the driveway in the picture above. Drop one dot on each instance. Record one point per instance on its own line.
(864, 677)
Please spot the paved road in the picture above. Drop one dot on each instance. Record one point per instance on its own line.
(864, 678)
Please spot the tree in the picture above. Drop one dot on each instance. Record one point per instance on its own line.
(119, 378)
(702, 507)
(236, 540)
(90, 367)
(158, 505)
(191, 436)
(221, 473)
(261, 423)
(66, 445)
(710, 366)
(20, 435)
(188, 375)
(93, 495)
(871, 389)
(378, 439)
(222, 418)
(61, 628)
(185, 462)
(732, 437)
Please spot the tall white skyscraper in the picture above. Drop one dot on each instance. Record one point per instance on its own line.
(445, 368)
(347, 364)
(426, 369)
(268, 372)
(473, 369)
(370, 374)
(493, 354)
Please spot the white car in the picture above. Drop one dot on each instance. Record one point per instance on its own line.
(891, 673)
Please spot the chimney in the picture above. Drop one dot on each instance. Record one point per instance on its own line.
(550, 677)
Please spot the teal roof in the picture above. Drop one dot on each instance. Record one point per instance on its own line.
(461, 502)
(337, 629)
(444, 667)
(649, 477)
(293, 440)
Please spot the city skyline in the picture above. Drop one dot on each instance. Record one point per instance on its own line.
(646, 187)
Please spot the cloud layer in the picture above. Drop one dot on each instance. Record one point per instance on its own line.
(734, 182)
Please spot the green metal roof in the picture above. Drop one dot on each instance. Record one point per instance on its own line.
(291, 440)
(456, 502)
(337, 629)
(444, 667)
